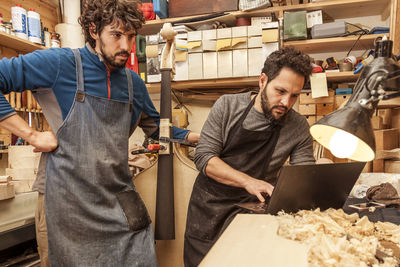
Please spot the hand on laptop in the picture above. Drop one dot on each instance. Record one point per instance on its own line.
(258, 188)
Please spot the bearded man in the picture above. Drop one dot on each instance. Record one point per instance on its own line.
(243, 144)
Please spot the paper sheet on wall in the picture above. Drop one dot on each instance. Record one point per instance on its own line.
(319, 85)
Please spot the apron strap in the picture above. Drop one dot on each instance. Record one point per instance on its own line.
(130, 87)
(80, 85)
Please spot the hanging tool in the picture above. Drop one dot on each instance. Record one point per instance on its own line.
(165, 212)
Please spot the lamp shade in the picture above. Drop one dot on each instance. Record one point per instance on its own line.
(347, 132)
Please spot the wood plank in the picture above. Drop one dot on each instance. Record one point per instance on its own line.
(18, 44)
(334, 44)
(388, 154)
(337, 9)
(243, 82)
(252, 240)
(395, 22)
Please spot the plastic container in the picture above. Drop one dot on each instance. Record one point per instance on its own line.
(55, 40)
(47, 38)
(18, 14)
(34, 28)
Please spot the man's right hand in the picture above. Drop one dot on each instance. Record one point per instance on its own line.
(43, 141)
(258, 188)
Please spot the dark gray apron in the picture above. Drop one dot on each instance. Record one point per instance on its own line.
(212, 204)
(94, 215)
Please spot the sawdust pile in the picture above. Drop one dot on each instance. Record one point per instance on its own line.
(337, 239)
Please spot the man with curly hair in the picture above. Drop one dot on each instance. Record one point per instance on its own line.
(243, 144)
(93, 104)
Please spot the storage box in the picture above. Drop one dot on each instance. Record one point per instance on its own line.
(308, 109)
(195, 61)
(268, 48)
(240, 67)
(210, 63)
(255, 61)
(209, 45)
(306, 98)
(224, 33)
(194, 43)
(314, 18)
(254, 42)
(182, 71)
(295, 25)
(324, 109)
(270, 35)
(340, 100)
(254, 31)
(239, 37)
(224, 39)
(225, 64)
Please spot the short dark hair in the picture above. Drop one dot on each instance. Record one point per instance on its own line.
(105, 12)
(288, 57)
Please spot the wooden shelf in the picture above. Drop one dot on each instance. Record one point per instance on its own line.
(337, 9)
(232, 83)
(18, 44)
(334, 44)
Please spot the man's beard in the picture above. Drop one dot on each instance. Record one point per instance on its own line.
(110, 60)
(266, 107)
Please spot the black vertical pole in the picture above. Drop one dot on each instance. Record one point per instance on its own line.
(165, 219)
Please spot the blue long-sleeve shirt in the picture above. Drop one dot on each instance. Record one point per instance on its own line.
(55, 69)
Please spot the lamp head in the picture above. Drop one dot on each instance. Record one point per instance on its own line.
(347, 132)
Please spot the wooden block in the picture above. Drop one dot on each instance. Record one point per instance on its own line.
(378, 165)
(6, 191)
(6, 138)
(5, 179)
(324, 109)
(311, 119)
(306, 98)
(377, 122)
(341, 100)
(23, 186)
(367, 167)
(386, 139)
(307, 109)
(396, 120)
(392, 166)
(343, 85)
(386, 115)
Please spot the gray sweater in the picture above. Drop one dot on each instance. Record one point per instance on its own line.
(294, 140)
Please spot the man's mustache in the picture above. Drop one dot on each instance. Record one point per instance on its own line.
(122, 53)
(280, 106)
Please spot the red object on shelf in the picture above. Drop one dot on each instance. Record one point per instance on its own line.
(148, 11)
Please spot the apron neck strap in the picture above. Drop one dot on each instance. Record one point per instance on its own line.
(80, 84)
(130, 87)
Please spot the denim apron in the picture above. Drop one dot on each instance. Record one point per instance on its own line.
(95, 217)
(212, 204)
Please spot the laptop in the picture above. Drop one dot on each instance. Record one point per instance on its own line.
(309, 187)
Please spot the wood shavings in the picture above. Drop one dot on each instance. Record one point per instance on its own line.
(337, 239)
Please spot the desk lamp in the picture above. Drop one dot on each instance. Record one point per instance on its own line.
(347, 132)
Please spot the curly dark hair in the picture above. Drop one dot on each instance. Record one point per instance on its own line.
(288, 57)
(105, 12)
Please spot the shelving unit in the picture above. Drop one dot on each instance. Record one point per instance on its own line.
(337, 9)
(18, 44)
(334, 44)
(238, 82)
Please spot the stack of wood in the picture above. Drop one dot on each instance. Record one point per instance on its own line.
(22, 167)
(6, 188)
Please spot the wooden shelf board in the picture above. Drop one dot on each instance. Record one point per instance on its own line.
(18, 44)
(231, 83)
(337, 9)
(334, 44)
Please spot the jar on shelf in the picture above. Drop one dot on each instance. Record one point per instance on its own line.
(2, 28)
(55, 40)
(8, 27)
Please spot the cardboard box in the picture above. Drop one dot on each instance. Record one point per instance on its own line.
(209, 40)
(225, 64)
(270, 35)
(209, 35)
(195, 61)
(239, 37)
(306, 98)
(255, 61)
(210, 63)
(254, 31)
(254, 42)
(224, 33)
(182, 71)
(324, 109)
(268, 48)
(314, 18)
(308, 109)
(240, 66)
(194, 42)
